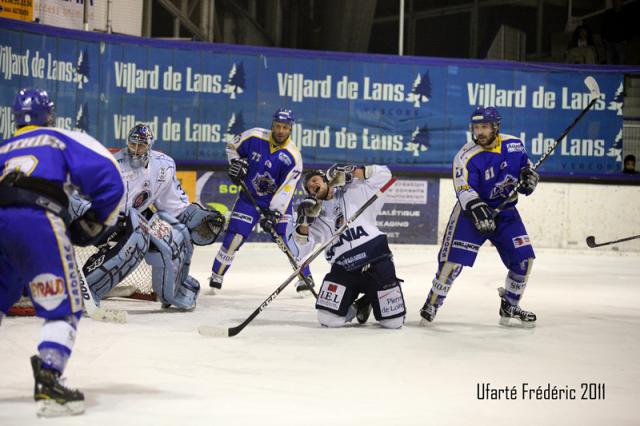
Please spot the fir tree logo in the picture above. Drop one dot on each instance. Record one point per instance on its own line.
(421, 90)
(618, 100)
(419, 141)
(235, 81)
(82, 68)
(82, 118)
(616, 147)
(235, 126)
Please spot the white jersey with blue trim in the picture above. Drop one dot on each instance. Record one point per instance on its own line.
(274, 169)
(345, 202)
(74, 160)
(155, 184)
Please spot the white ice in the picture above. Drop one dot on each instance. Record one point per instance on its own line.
(284, 369)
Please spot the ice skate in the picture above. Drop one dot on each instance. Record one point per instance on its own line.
(514, 315)
(53, 399)
(215, 283)
(363, 309)
(428, 313)
(303, 289)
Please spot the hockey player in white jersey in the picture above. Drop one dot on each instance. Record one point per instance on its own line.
(158, 224)
(361, 261)
(38, 166)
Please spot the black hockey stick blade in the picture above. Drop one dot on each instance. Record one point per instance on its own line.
(591, 241)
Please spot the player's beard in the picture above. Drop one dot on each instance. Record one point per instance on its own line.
(486, 141)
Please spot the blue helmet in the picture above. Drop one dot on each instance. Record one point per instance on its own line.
(141, 133)
(486, 115)
(33, 107)
(284, 115)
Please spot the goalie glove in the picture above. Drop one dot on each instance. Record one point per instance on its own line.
(481, 216)
(528, 180)
(238, 169)
(87, 230)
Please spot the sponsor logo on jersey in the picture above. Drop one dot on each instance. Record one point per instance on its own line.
(162, 176)
(264, 184)
(521, 241)
(465, 245)
(284, 158)
(331, 295)
(350, 235)
(514, 147)
(48, 290)
(241, 216)
(140, 199)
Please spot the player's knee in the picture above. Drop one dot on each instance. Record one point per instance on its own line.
(393, 323)
(232, 242)
(329, 319)
(521, 269)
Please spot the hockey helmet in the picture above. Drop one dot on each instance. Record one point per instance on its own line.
(485, 115)
(139, 144)
(285, 116)
(33, 107)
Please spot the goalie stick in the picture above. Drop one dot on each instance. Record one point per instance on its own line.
(207, 330)
(593, 87)
(279, 241)
(591, 241)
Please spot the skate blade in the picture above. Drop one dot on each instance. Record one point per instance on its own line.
(50, 408)
(516, 323)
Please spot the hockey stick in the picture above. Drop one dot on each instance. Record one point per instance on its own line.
(279, 241)
(207, 330)
(593, 87)
(95, 312)
(591, 241)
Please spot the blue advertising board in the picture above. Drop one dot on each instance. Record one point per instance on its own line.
(410, 113)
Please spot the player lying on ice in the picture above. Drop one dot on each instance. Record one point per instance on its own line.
(485, 171)
(157, 224)
(361, 261)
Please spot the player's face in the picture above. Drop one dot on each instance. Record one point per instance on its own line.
(317, 187)
(138, 148)
(484, 133)
(280, 132)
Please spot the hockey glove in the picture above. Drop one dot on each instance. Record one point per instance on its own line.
(238, 169)
(482, 217)
(308, 209)
(528, 180)
(87, 230)
(270, 220)
(340, 174)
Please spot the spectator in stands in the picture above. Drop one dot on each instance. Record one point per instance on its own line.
(581, 48)
(630, 165)
(615, 33)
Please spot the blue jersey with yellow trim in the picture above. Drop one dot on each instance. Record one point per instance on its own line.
(274, 170)
(63, 156)
(489, 174)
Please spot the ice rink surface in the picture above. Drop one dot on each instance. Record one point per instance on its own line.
(284, 369)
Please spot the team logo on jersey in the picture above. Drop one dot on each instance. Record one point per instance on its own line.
(264, 184)
(521, 241)
(339, 220)
(235, 81)
(140, 199)
(48, 290)
(503, 188)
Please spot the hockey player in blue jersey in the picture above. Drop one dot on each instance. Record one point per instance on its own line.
(270, 165)
(485, 172)
(39, 165)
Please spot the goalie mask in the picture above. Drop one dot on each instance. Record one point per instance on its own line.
(139, 144)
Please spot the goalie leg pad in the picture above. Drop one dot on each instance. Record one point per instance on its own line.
(170, 260)
(110, 265)
(204, 224)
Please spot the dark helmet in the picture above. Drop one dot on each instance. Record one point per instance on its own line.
(309, 174)
(284, 115)
(485, 115)
(33, 107)
(141, 133)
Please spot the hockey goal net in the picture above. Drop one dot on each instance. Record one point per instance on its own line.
(136, 285)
